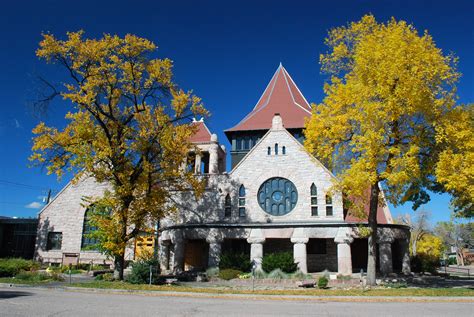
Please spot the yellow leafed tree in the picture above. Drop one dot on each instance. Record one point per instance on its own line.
(377, 125)
(128, 126)
(455, 168)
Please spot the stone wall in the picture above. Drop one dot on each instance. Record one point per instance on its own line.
(65, 214)
(327, 261)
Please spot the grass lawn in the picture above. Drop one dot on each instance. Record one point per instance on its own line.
(12, 280)
(314, 292)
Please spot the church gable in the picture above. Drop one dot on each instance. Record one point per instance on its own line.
(278, 175)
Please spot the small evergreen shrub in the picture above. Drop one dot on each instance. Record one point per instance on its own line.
(12, 266)
(236, 261)
(323, 282)
(229, 274)
(140, 273)
(279, 260)
(277, 274)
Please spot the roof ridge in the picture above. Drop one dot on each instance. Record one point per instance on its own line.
(301, 94)
(291, 93)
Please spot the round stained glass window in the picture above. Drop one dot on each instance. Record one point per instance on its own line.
(277, 196)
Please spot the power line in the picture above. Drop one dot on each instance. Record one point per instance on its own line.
(22, 185)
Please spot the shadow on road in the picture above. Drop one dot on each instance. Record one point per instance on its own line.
(13, 294)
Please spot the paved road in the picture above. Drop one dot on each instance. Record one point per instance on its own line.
(54, 302)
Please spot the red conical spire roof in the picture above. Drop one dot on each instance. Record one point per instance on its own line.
(281, 96)
(202, 135)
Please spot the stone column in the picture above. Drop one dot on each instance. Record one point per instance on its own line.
(164, 254)
(197, 164)
(300, 254)
(385, 257)
(178, 252)
(214, 155)
(404, 244)
(214, 239)
(256, 240)
(344, 256)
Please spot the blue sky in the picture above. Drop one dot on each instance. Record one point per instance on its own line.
(226, 51)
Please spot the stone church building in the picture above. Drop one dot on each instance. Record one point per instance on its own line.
(276, 197)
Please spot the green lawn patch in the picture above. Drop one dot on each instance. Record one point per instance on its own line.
(311, 292)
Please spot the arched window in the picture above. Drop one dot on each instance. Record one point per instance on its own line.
(89, 242)
(269, 151)
(328, 205)
(314, 200)
(283, 150)
(276, 148)
(227, 206)
(242, 201)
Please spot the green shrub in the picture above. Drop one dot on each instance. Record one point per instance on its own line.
(280, 260)
(323, 282)
(141, 272)
(277, 274)
(212, 272)
(245, 276)
(229, 274)
(424, 263)
(31, 276)
(12, 266)
(236, 261)
(452, 261)
(109, 277)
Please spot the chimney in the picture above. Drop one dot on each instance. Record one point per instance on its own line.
(277, 122)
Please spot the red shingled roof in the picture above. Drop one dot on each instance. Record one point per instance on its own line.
(202, 134)
(281, 96)
(381, 216)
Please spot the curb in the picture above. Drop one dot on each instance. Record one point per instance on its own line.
(361, 299)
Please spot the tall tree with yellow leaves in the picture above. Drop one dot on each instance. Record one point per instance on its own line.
(128, 126)
(377, 126)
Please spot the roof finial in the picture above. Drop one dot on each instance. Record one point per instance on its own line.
(280, 65)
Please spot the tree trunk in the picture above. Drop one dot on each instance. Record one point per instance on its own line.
(372, 241)
(119, 262)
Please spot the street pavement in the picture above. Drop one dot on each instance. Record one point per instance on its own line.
(21, 301)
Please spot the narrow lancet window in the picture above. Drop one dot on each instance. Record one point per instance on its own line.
(276, 148)
(242, 201)
(314, 200)
(328, 205)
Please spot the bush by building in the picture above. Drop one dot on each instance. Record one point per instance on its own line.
(229, 274)
(140, 273)
(323, 282)
(12, 266)
(236, 261)
(280, 260)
